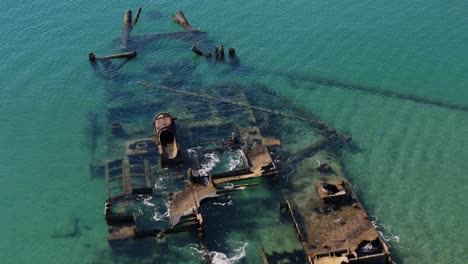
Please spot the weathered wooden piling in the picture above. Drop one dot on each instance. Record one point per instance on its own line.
(127, 27)
(221, 50)
(127, 18)
(137, 16)
(128, 55)
(91, 57)
(197, 51)
(232, 52)
(180, 19)
(200, 53)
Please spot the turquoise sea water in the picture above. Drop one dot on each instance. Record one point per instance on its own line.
(410, 159)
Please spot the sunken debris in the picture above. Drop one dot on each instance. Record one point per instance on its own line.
(128, 55)
(125, 179)
(180, 19)
(218, 53)
(128, 26)
(130, 177)
(331, 223)
(165, 138)
(257, 162)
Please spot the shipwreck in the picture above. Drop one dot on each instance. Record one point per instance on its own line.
(172, 166)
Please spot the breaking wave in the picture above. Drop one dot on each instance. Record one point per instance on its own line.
(158, 216)
(193, 151)
(212, 159)
(146, 201)
(215, 257)
(159, 184)
(235, 160)
(385, 231)
(161, 216)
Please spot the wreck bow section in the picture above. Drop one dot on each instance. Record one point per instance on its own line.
(329, 219)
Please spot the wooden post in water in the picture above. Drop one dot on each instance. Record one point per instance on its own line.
(180, 19)
(200, 53)
(137, 16)
(232, 52)
(91, 57)
(128, 18)
(129, 55)
(221, 51)
(197, 51)
(127, 27)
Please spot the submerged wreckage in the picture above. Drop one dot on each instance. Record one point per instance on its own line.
(330, 221)
(133, 177)
(165, 138)
(331, 224)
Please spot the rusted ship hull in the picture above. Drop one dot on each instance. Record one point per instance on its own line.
(330, 221)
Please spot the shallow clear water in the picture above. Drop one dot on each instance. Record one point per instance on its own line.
(408, 161)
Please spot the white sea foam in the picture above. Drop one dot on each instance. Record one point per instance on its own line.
(390, 239)
(193, 150)
(228, 203)
(161, 214)
(385, 232)
(211, 160)
(235, 160)
(168, 206)
(221, 258)
(158, 216)
(146, 201)
(159, 184)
